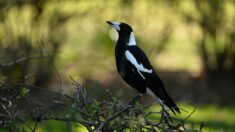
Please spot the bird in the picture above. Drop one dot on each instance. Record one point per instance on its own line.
(135, 69)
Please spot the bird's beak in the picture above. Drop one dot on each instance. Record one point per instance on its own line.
(115, 25)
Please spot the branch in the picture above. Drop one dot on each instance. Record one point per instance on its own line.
(20, 60)
(104, 123)
(106, 115)
(72, 120)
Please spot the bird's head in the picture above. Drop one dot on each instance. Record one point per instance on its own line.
(122, 28)
(125, 31)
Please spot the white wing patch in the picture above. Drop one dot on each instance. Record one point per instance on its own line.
(140, 68)
(131, 40)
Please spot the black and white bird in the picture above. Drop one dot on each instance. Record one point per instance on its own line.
(135, 68)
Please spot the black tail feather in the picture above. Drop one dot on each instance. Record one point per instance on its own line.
(166, 99)
(170, 103)
(157, 87)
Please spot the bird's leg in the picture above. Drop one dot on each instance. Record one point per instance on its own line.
(165, 114)
(141, 97)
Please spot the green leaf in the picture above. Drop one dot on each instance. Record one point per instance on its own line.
(24, 91)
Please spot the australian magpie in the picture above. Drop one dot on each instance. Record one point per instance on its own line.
(135, 68)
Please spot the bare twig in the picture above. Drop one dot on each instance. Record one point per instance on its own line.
(20, 60)
(35, 126)
(53, 67)
(65, 119)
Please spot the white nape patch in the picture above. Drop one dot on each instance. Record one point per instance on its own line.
(150, 92)
(116, 25)
(131, 40)
(140, 68)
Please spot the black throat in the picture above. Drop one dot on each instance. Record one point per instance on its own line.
(120, 50)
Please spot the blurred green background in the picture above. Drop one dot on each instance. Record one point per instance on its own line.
(189, 43)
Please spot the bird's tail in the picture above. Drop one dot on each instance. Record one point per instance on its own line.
(167, 100)
(164, 98)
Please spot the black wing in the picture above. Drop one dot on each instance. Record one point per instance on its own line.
(140, 56)
(153, 82)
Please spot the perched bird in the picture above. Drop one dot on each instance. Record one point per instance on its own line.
(135, 68)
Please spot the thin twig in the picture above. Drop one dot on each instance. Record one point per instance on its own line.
(65, 119)
(20, 60)
(54, 68)
(35, 126)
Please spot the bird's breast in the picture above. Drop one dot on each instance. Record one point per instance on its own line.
(121, 63)
(121, 60)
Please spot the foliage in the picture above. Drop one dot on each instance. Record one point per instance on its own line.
(81, 26)
(215, 19)
(106, 115)
(25, 28)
